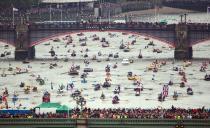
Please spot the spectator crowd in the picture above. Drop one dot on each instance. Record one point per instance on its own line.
(126, 113)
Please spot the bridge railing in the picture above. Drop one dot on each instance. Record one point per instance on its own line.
(106, 123)
(103, 25)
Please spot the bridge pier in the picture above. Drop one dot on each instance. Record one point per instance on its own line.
(183, 50)
(182, 54)
(22, 54)
(22, 41)
(31, 52)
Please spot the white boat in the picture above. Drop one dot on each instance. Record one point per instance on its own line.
(125, 62)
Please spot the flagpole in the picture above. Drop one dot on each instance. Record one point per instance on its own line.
(61, 13)
(155, 13)
(109, 12)
(50, 13)
(13, 17)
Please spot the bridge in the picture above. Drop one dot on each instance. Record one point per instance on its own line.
(24, 37)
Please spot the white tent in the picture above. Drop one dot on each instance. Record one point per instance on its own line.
(66, 1)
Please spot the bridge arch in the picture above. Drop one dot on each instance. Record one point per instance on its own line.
(200, 41)
(171, 44)
(7, 42)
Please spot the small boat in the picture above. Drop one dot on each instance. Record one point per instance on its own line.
(115, 100)
(56, 40)
(97, 87)
(116, 55)
(88, 70)
(102, 96)
(151, 43)
(83, 44)
(105, 44)
(146, 38)
(140, 55)
(46, 97)
(189, 91)
(175, 96)
(73, 72)
(103, 40)
(106, 84)
(127, 49)
(122, 46)
(26, 61)
(80, 34)
(207, 77)
(125, 62)
(161, 98)
(76, 93)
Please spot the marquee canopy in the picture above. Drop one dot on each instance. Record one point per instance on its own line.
(66, 1)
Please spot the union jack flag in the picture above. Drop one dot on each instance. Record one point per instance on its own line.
(165, 90)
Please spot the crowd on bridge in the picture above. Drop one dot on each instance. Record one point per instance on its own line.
(125, 113)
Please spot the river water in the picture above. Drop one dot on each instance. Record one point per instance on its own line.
(200, 17)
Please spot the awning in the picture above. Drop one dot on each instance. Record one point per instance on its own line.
(63, 109)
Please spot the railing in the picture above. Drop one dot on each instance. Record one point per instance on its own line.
(104, 25)
(103, 123)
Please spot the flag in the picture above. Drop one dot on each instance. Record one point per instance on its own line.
(165, 90)
(14, 9)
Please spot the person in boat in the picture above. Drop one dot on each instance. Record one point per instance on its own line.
(153, 76)
(115, 65)
(184, 79)
(202, 69)
(97, 87)
(189, 91)
(22, 84)
(107, 68)
(175, 96)
(155, 69)
(139, 85)
(118, 87)
(102, 96)
(116, 91)
(86, 62)
(70, 86)
(106, 84)
(115, 99)
(84, 75)
(83, 80)
(6, 92)
(99, 53)
(1, 99)
(161, 97)
(175, 68)
(46, 97)
(182, 84)
(38, 78)
(116, 55)
(73, 53)
(207, 77)
(130, 74)
(170, 82)
(138, 90)
(140, 55)
(94, 57)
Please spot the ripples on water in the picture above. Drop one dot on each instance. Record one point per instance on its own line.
(173, 18)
